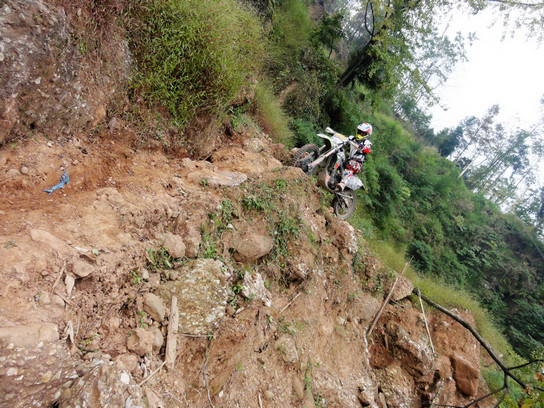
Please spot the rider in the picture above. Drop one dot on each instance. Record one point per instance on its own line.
(356, 160)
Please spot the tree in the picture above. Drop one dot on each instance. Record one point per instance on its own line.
(478, 135)
(329, 31)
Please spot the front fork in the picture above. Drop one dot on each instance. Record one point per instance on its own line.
(332, 173)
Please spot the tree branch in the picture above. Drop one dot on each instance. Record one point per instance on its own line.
(479, 338)
(517, 3)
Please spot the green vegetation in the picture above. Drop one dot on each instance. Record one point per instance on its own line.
(188, 59)
(159, 260)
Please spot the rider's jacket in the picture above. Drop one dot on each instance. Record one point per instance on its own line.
(360, 153)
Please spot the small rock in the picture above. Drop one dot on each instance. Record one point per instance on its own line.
(127, 362)
(114, 322)
(13, 173)
(251, 246)
(153, 399)
(154, 306)
(24, 170)
(287, 348)
(113, 124)
(382, 402)
(57, 301)
(254, 288)
(69, 281)
(403, 289)
(155, 279)
(268, 394)
(466, 374)
(141, 342)
(82, 269)
(174, 245)
(45, 298)
(2, 57)
(158, 339)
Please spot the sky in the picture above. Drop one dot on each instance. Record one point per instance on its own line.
(507, 72)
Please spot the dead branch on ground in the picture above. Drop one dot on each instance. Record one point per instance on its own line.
(507, 371)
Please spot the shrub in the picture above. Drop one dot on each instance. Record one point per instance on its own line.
(421, 254)
(304, 132)
(194, 56)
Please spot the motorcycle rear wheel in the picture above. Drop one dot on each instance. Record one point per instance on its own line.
(304, 156)
(344, 203)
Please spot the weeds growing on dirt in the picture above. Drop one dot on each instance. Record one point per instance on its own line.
(217, 223)
(160, 260)
(187, 59)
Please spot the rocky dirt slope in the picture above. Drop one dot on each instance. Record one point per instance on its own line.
(275, 295)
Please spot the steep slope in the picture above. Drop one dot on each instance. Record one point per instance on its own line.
(275, 295)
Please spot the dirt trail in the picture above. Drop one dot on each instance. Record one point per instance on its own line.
(84, 258)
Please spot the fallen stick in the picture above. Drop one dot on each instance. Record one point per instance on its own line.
(386, 301)
(260, 402)
(202, 336)
(172, 336)
(63, 298)
(425, 320)
(290, 303)
(59, 275)
(146, 379)
(206, 382)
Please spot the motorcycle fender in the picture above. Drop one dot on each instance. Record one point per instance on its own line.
(354, 183)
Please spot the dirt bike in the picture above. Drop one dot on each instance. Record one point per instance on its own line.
(330, 159)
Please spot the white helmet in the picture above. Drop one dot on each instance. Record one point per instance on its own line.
(363, 130)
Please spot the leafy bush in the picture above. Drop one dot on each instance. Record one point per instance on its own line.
(304, 132)
(194, 56)
(421, 254)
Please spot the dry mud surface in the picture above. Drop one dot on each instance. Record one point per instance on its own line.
(78, 268)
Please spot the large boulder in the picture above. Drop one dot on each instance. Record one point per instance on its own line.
(107, 386)
(466, 374)
(397, 386)
(251, 245)
(413, 350)
(202, 292)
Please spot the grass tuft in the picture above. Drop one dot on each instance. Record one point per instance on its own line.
(271, 116)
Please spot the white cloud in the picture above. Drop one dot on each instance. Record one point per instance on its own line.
(507, 72)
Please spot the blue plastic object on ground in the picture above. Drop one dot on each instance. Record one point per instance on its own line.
(64, 179)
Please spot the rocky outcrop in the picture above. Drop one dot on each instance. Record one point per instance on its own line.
(35, 367)
(104, 386)
(46, 82)
(397, 386)
(202, 292)
(466, 374)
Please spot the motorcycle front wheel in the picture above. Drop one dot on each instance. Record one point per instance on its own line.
(305, 155)
(344, 203)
